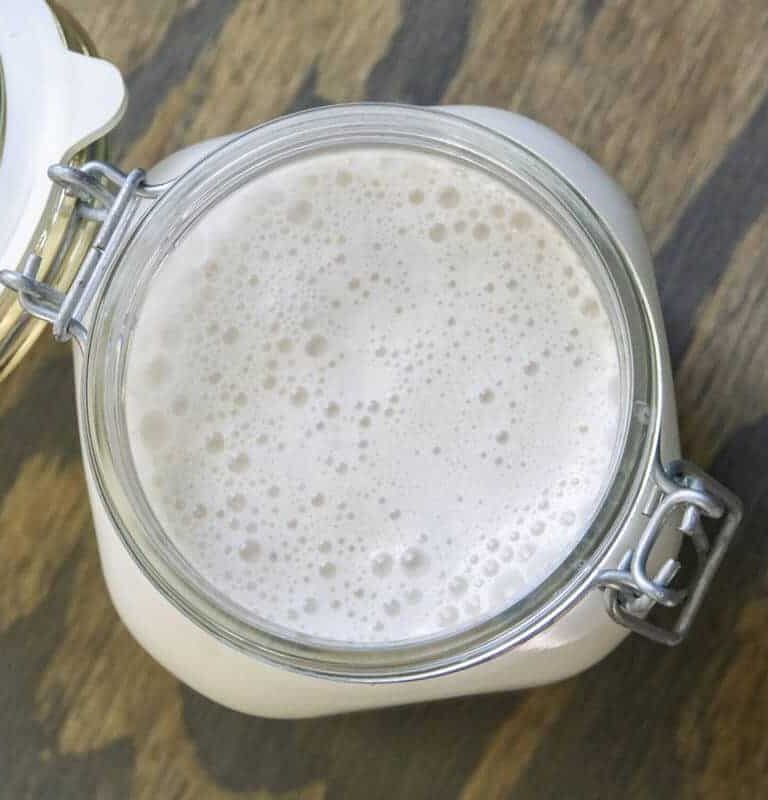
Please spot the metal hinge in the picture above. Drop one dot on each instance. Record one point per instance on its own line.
(106, 196)
(689, 496)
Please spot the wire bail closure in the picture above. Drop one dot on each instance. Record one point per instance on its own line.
(630, 592)
(103, 195)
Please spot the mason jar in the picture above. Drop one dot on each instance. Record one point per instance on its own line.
(642, 563)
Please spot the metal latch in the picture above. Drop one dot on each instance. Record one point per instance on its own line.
(104, 195)
(630, 592)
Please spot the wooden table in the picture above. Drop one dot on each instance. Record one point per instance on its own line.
(670, 96)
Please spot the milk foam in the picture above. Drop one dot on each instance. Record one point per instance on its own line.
(374, 396)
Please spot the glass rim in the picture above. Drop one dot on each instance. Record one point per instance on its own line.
(215, 177)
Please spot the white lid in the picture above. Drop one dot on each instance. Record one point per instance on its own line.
(56, 103)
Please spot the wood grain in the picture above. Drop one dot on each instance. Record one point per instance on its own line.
(671, 97)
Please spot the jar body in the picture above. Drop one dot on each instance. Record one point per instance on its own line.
(576, 640)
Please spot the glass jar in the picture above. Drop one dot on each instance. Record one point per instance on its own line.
(616, 579)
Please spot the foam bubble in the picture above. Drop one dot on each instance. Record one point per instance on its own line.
(438, 232)
(449, 197)
(392, 607)
(414, 561)
(531, 368)
(249, 551)
(521, 220)
(300, 212)
(316, 346)
(327, 569)
(237, 502)
(381, 564)
(239, 463)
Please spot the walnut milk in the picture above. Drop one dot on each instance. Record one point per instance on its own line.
(375, 401)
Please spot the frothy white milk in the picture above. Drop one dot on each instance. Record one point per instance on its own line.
(373, 395)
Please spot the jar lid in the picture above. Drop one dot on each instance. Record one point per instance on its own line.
(56, 104)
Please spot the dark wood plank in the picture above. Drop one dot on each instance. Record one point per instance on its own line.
(670, 97)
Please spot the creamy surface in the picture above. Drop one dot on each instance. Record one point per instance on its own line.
(373, 396)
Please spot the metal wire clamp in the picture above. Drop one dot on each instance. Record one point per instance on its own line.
(103, 195)
(630, 592)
